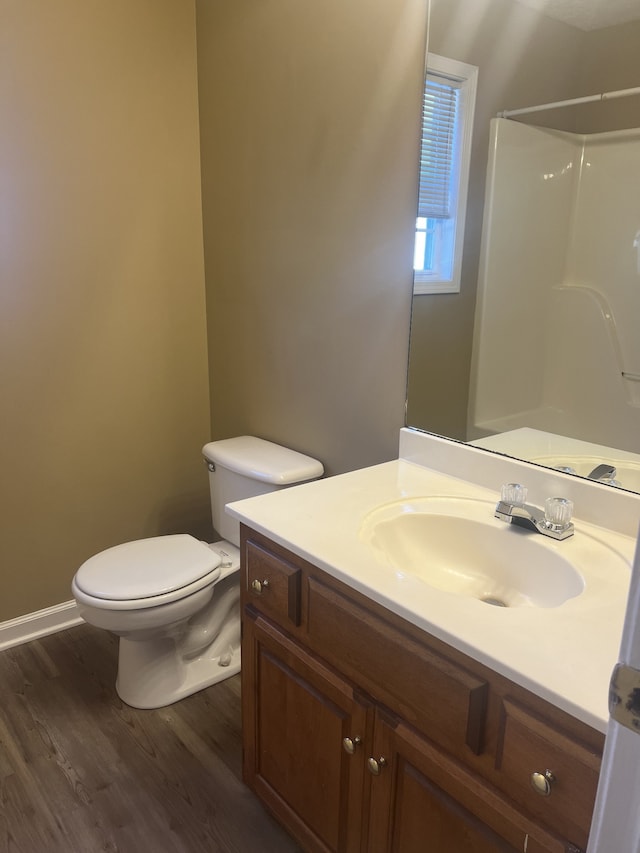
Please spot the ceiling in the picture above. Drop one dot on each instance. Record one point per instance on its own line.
(588, 14)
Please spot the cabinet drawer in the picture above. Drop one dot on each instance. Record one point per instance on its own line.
(531, 745)
(434, 694)
(273, 584)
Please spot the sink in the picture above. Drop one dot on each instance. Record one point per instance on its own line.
(457, 546)
(627, 472)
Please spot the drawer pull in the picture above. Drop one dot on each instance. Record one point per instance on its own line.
(542, 782)
(349, 744)
(374, 766)
(258, 587)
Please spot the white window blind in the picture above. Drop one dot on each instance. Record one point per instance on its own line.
(437, 155)
(447, 122)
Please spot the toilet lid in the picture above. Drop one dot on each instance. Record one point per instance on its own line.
(146, 568)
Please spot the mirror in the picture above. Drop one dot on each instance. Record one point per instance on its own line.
(555, 324)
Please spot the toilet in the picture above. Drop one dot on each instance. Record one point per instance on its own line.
(174, 601)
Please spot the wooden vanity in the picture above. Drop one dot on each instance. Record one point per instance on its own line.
(362, 732)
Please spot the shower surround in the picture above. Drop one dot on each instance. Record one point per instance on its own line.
(557, 332)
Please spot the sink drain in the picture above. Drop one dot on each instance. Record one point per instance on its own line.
(497, 602)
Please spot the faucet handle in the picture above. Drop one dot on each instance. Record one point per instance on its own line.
(558, 512)
(514, 493)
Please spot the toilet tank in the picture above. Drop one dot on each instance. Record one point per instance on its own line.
(247, 466)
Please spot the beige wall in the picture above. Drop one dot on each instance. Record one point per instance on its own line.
(310, 139)
(523, 58)
(611, 61)
(103, 365)
(309, 122)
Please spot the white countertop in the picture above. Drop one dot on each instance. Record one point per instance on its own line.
(564, 654)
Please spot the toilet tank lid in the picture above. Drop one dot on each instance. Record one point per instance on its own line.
(263, 460)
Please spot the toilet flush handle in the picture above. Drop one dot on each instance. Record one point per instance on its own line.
(259, 586)
(225, 559)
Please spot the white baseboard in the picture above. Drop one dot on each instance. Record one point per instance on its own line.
(38, 624)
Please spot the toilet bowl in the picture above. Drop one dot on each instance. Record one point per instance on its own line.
(175, 609)
(174, 601)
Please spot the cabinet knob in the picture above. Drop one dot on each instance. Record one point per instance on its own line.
(349, 744)
(375, 765)
(542, 782)
(258, 587)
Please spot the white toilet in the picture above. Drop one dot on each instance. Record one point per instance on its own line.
(175, 601)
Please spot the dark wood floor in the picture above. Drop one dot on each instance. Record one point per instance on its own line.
(81, 771)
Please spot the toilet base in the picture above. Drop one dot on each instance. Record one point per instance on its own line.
(151, 677)
(156, 669)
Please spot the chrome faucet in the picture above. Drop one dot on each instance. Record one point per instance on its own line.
(554, 520)
(603, 472)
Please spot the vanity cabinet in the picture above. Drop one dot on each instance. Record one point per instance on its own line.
(296, 715)
(362, 733)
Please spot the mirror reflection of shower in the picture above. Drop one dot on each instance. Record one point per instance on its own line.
(527, 52)
(556, 350)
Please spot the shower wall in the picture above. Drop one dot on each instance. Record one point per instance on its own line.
(556, 344)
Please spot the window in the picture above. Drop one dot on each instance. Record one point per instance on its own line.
(447, 121)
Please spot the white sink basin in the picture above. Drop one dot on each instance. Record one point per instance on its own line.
(456, 545)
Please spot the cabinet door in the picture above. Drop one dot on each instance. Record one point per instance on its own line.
(424, 802)
(296, 715)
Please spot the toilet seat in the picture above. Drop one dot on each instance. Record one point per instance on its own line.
(146, 573)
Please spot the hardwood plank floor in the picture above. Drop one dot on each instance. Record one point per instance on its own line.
(81, 772)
